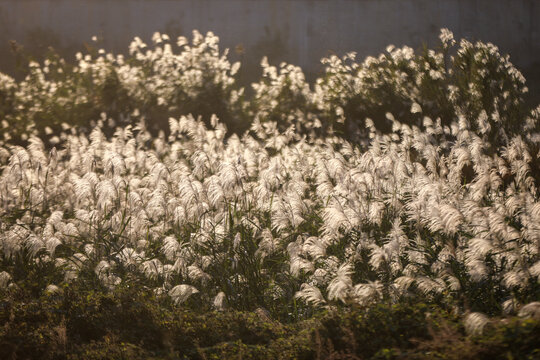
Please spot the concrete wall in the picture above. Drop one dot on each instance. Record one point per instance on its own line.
(296, 31)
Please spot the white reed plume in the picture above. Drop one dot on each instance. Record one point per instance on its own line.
(311, 294)
(531, 310)
(220, 301)
(180, 293)
(340, 287)
(5, 279)
(475, 323)
(367, 293)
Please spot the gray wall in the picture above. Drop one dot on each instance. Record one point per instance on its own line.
(296, 31)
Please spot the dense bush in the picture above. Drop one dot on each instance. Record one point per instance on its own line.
(469, 82)
(155, 84)
(131, 323)
(473, 83)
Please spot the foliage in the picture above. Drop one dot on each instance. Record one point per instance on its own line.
(469, 82)
(153, 83)
(78, 323)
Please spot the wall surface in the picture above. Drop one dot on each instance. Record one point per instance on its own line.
(296, 31)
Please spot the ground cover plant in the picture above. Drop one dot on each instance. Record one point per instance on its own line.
(152, 208)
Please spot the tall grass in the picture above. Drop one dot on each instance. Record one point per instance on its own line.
(408, 177)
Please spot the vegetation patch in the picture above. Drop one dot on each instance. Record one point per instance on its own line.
(152, 208)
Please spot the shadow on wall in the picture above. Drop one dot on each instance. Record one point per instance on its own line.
(38, 43)
(532, 75)
(273, 45)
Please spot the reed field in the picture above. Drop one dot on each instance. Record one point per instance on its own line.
(151, 207)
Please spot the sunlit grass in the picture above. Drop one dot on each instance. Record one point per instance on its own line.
(405, 179)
